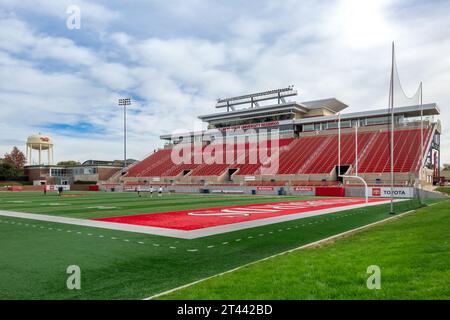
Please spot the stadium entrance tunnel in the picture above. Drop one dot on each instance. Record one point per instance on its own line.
(230, 173)
(341, 170)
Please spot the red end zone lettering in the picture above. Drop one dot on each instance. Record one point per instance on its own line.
(211, 217)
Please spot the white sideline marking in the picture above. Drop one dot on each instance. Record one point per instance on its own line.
(98, 224)
(18, 201)
(192, 234)
(312, 244)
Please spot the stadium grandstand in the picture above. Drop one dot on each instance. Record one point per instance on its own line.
(305, 138)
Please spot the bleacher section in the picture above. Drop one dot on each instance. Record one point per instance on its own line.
(303, 149)
(406, 151)
(153, 165)
(311, 154)
(160, 164)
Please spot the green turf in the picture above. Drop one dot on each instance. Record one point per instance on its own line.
(83, 204)
(413, 254)
(444, 190)
(115, 264)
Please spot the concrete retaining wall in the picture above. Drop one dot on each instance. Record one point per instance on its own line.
(271, 190)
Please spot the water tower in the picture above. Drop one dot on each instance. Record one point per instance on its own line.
(40, 143)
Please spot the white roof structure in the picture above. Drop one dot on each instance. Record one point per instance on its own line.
(331, 104)
(291, 115)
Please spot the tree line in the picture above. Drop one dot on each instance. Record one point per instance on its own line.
(12, 164)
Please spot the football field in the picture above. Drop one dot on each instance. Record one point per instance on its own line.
(119, 264)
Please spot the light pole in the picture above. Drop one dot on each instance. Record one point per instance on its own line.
(124, 102)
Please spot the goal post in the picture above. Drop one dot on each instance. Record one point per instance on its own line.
(366, 188)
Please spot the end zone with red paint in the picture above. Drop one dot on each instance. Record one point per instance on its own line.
(213, 217)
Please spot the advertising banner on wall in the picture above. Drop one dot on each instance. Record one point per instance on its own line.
(264, 188)
(54, 187)
(399, 192)
(143, 188)
(303, 190)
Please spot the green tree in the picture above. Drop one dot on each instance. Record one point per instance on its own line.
(16, 158)
(7, 170)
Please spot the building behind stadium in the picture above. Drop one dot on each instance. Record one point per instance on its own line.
(304, 137)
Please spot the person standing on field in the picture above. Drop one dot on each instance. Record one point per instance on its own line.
(151, 191)
(160, 191)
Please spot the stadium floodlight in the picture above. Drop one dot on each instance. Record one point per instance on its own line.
(124, 102)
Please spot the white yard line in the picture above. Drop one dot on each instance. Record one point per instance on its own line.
(309, 245)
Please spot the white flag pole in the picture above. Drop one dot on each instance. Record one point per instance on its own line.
(339, 144)
(356, 148)
(421, 142)
(391, 106)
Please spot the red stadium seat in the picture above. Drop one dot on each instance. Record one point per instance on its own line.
(304, 155)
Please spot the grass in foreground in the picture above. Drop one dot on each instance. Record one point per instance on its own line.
(444, 190)
(412, 252)
(124, 265)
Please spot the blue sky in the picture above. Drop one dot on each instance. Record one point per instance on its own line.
(174, 58)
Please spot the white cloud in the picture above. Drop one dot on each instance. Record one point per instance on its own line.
(360, 24)
(64, 50)
(113, 75)
(339, 49)
(19, 38)
(15, 35)
(93, 16)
